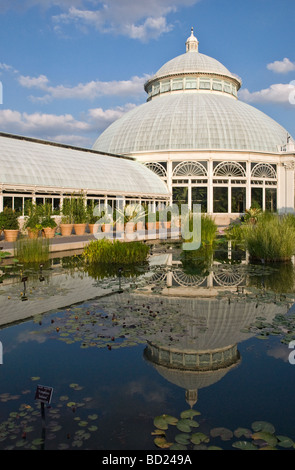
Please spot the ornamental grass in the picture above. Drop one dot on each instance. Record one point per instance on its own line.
(272, 238)
(115, 252)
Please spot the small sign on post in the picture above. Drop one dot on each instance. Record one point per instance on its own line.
(43, 394)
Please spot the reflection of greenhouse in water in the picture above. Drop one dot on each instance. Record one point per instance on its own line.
(208, 349)
(212, 273)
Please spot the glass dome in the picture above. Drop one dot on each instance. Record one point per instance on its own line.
(192, 105)
(192, 122)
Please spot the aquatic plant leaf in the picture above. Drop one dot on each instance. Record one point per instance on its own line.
(199, 437)
(93, 417)
(70, 404)
(178, 447)
(93, 428)
(77, 443)
(162, 443)
(244, 445)
(242, 432)
(263, 426)
(214, 448)
(224, 433)
(189, 413)
(160, 422)
(284, 441)
(265, 436)
(183, 425)
(182, 438)
(268, 448)
(38, 442)
(170, 419)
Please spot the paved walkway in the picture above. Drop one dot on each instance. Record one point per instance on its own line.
(76, 242)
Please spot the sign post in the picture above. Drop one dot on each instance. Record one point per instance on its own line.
(43, 394)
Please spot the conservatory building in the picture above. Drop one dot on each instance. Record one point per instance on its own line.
(209, 147)
(46, 172)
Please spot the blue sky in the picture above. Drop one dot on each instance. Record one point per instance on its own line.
(71, 67)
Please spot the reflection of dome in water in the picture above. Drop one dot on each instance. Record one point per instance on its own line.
(191, 381)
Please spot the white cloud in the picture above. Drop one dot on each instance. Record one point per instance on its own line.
(283, 66)
(278, 94)
(138, 20)
(7, 68)
(90, 90)
(63, 128)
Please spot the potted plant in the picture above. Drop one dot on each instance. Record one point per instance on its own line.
(66, 225)
(139, 217)
(48, 227)
(33, 220)
(119, 220)
(92, 218)
(9, 224)
(106, 221)
(150, 220)
(165, 217)
(79, 215)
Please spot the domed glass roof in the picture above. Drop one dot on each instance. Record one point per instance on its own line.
(196, 108)
(193, 62)
(192, 122)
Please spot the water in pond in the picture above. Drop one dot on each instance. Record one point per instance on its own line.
(188, 352)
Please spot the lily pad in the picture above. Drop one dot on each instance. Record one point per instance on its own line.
(160, 423)
(178, 447)
(184, 425)
(182, 438)
(162, 443)
(244, 445)
(265, 436)
(284, 441)
(199, 437)
(189, 414)
(224, 433)
(263, 426)
(242, 432)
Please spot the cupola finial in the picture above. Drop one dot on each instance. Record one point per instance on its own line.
(192, 44)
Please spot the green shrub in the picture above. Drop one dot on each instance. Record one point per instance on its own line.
(32, 250)
(9, 219)
(115, 252)
(272, 238)
(208, 229)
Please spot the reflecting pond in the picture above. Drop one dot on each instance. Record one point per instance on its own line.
(190, 351)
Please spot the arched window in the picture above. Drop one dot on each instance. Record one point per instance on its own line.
(190, 169)
(157, 168)
(264, 170)
(230, 169)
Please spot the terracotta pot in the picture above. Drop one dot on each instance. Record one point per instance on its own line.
(140, 226)
(80, 229)
(157, 225)
(106, 228)
(120, 227)
(48, 232)
(150, 225)
(10, 235)
(129, 227)
(93, 228)
(66, 229)
(33, 234)
(166, 224)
